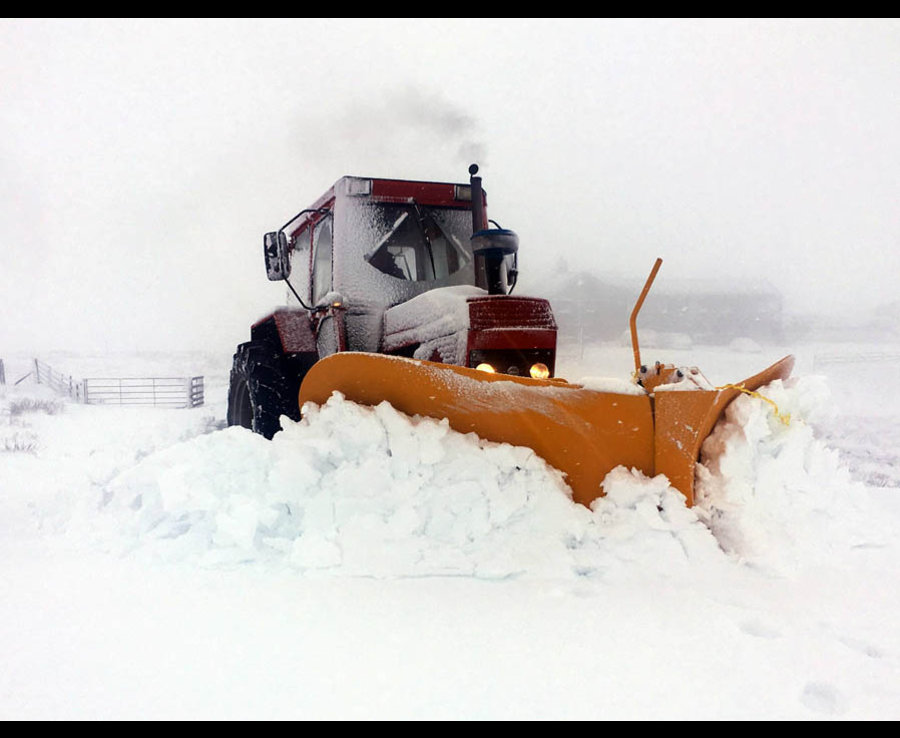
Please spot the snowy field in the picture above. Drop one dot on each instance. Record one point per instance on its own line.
(362, 565)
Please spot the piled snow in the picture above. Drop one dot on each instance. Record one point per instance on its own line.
(370, 492)
(615, 385)
(358, 491)
(361, 491)
(691, 379)
(771, 492)
(365, 491)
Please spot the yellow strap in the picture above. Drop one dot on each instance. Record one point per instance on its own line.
(786, 418)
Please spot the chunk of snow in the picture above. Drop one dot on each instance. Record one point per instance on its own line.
(613, 385)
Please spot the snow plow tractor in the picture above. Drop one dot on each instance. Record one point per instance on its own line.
(403, 294)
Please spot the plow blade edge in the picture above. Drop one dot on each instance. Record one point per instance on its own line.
(581, 432)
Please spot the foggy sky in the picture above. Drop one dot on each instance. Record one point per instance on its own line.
(142, 160)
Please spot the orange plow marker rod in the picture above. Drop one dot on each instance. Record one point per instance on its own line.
(634, 313)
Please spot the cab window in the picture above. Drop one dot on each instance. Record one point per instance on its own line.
(322, 260)
(417, 243)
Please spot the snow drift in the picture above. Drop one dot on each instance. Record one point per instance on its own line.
(360, 491)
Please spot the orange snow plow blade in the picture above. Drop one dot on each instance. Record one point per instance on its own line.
(584, 433)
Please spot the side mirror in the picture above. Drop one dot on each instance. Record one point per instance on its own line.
(277, 255)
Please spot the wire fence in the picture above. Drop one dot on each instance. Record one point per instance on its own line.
(62, 383)
(175, 392)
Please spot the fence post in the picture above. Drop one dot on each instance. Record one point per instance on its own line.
(37, 372)
(2, 373)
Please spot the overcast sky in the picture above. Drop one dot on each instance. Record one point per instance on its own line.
(142, 160)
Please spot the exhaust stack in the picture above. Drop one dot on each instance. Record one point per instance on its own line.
(494, 249)
(478, 221)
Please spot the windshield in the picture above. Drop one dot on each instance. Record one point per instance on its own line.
(419, 243)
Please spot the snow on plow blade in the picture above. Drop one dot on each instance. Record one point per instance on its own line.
(583, 433)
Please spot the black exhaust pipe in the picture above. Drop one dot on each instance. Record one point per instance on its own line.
(491, 246)
(478, 222)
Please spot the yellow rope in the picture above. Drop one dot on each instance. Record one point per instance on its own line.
(786, 418)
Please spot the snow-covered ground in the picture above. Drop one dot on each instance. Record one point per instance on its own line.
(363, 565)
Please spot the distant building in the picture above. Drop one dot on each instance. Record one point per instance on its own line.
(589, 308)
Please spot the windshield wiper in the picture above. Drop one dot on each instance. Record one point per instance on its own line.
(387, 237)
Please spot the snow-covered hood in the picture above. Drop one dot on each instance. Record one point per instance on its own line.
(436, 322)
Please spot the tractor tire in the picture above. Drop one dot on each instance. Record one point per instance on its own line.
(261, 389)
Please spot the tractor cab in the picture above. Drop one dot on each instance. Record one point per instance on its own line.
(401, 267)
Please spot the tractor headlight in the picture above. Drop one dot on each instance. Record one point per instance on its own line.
(485, 367)
(539, 371)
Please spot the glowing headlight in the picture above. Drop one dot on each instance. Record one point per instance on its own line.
(539, 371)
(485, 368)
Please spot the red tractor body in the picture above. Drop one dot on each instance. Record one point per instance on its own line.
(400, 267)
